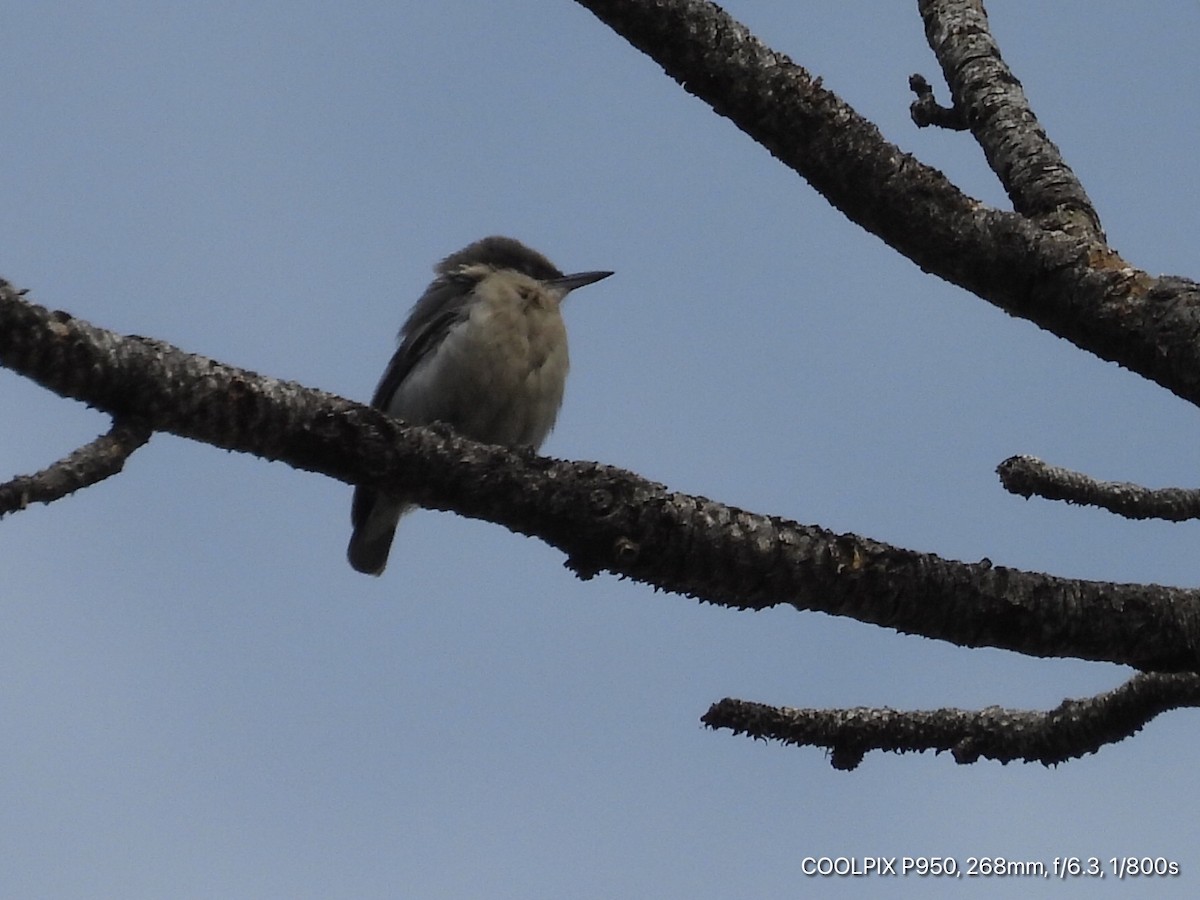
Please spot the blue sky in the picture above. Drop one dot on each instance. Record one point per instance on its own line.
(201, 699)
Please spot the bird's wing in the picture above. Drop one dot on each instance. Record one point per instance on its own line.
(446, 303)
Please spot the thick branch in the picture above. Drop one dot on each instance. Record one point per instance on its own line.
(602, 518)
(1080, 291)
(1075, 728)
(1027, 476)
(91, 463)
(1028, 164)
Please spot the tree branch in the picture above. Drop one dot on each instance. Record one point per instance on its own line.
(925, 110)
(1073, 729)
(1028, 164)
(602, 518)
(1027, 476)
(1046, 262)
(91, 463)
(1078, 289)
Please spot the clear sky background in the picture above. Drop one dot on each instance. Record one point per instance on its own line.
(199, 698)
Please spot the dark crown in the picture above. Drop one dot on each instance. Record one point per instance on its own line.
(500, 253)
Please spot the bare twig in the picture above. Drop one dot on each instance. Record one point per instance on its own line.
(93, 462)
(925, 110)
(993, 104)
(1029, 476)
(1073, 729)
(1075, 287)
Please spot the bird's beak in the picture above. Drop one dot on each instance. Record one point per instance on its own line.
(568, 283)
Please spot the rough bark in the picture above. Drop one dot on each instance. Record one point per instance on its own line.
(1046, 260)
(602, 518)
(1076, 287)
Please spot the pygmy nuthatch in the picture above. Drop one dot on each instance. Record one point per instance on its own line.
(485, 351)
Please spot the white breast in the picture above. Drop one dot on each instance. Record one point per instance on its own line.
(499, 375)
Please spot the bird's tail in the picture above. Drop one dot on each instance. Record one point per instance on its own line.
(375, 518)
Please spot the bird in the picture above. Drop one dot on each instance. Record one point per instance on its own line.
(484, 350)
